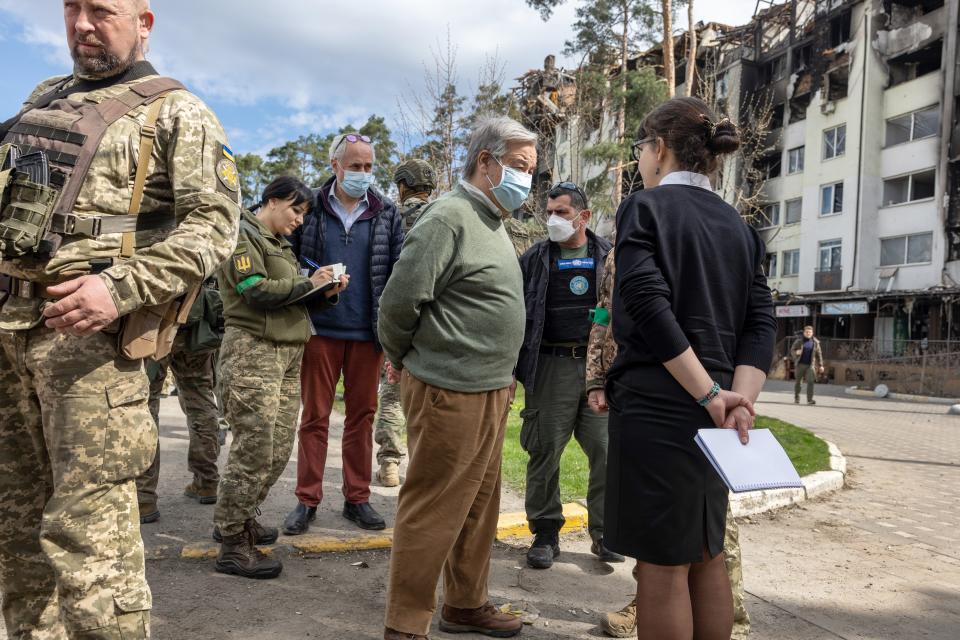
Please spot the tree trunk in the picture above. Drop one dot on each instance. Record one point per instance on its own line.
(622, 105)
(669, 69)
(692, 53)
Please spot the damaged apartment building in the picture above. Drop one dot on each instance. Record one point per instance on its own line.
(855, 182)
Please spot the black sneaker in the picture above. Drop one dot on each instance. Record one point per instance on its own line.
(604, 554)
(544, 550)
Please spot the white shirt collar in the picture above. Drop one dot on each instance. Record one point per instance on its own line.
(477, 193)
(688, 178)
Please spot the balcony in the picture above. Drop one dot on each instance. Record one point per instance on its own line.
(828, 280)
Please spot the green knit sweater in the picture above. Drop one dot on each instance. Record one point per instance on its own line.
(452, 312)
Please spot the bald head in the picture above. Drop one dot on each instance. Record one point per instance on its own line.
(106, 37)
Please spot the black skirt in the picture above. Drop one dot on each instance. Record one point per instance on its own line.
(664, 502)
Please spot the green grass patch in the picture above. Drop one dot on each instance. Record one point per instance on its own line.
(807, 452)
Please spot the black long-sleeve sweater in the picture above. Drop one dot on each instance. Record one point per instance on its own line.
(689, 274)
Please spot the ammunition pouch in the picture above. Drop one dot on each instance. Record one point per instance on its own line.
(25, 220)
(149, 331)
(204, 325)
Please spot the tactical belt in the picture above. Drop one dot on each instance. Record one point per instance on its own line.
(565, 352)
(96, 226)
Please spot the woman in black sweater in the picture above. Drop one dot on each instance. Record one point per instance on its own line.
(694, 323)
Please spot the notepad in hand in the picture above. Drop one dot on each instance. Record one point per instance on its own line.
(760, 464)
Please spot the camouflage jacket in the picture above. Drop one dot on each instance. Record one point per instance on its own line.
(182, 179)
(410, 210)
(520, 235)
(601, 348)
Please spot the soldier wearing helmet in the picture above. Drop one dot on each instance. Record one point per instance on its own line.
(416, 180)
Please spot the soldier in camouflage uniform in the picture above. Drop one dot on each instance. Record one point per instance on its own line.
(520, 235)
(601, 352)
(415, 181)
(75, 429)
(194, 372)
(266, 327)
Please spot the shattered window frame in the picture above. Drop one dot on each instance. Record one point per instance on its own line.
(831, 205)
(795, 159)
(901, 246)
(770, 264)
(769, 216)
(835, 142)
(830, 255)
(912, 126)
(906, 183)
(791, 263)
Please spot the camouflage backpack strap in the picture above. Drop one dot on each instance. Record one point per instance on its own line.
(148, 137)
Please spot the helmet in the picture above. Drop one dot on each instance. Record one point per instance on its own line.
(416, 174)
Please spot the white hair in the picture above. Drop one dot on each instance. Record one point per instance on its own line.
(337, 150)
(493, 135)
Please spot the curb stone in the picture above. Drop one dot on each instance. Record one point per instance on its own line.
(513, 526)
(905, 397)
(815, 485)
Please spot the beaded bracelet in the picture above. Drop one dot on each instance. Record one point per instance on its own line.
(713, 393)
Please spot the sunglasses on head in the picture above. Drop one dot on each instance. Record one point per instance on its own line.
(570, 186)
(352, 138)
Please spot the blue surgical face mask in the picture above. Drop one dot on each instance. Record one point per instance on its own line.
(356, 183)
(513, 189)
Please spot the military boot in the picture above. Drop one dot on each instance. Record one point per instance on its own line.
(389, 474)
(262, 534)
(202, 495)
(621, 624)
(544, 550)
(149, 512)
(239, 556)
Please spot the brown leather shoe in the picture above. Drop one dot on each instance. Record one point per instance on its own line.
(486, 620)
(390, 634)
(203, 495)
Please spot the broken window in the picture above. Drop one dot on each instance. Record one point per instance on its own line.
(836, 81)
(912, 249)
(798, 107)
(834, 142)
(770, 265)
(840, 30)
(802, 57)
(775, 70)
(913, 126)
(795, 160)
(776, 117)
(911, 66)
(831, 199)
(768, 216)
(769, 166)
(903, 12)
(916, 186)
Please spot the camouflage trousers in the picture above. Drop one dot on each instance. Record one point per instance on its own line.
(261, 382)
(732, 558)
(389, 427)
(195, 374)
(74, 433)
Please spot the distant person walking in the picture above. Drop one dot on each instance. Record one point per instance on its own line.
(808, 363)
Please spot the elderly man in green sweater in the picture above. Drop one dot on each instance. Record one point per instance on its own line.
(452, 320)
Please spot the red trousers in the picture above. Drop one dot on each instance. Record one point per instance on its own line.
(324, 360)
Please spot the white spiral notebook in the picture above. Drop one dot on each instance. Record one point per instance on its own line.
(760, 464)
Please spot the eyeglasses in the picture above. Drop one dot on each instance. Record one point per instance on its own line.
(635, 150)
(352, 138)
(571, 186)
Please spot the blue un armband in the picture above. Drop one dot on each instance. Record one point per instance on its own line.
(600, 316)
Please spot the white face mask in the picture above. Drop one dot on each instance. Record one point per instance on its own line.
(560, 229)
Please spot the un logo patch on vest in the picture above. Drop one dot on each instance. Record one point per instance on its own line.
(579, 285)
(242, 264)
(575, 263)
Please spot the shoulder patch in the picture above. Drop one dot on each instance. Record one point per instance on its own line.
(242, 264)
(228, 176)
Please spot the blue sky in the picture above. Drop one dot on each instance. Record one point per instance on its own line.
(275, 70)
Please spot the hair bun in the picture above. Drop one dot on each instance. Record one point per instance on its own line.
(723, 137)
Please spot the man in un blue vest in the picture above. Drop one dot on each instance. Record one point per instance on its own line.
(561, 277)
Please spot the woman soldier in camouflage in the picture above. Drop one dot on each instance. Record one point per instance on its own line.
(266, 327)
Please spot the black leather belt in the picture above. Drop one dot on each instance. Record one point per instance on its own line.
(565, 352)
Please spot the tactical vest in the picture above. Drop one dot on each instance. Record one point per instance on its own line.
(35, 217)
(411, 214)
(571, 294)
